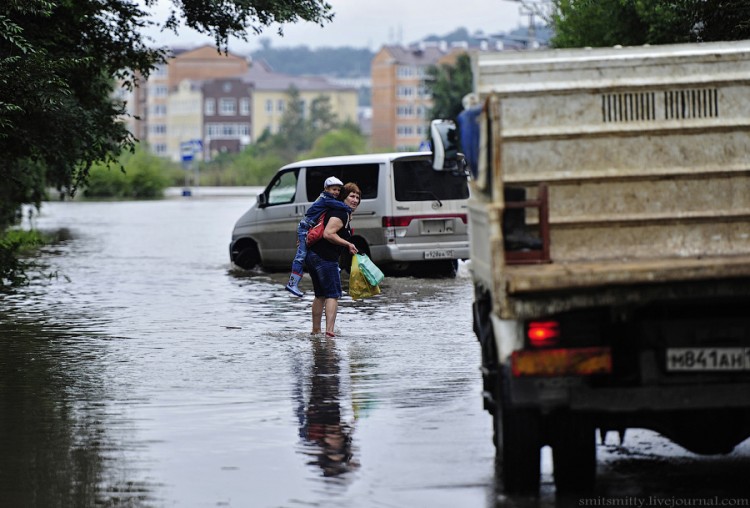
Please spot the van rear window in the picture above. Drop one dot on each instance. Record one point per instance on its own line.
(416, 181)
(364, 175)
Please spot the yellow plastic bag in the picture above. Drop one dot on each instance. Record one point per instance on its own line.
(358, 285)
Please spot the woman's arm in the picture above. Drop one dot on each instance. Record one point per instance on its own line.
(331, 233)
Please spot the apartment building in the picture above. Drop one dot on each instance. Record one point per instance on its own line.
(227, 115)
(400, 100)
(221, 101)
(151, 103)
(271, 96)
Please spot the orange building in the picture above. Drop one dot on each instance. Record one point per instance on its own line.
(400, 100)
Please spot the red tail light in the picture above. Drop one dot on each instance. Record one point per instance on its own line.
(404, 221)
(396, 222)
(543, 333)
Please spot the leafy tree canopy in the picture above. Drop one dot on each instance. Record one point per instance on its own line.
(59, 62)
(448, 85)
(580, 23)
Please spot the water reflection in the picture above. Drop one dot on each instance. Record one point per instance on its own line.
(57, 441)
(326, 435)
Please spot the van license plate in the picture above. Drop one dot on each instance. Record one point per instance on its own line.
(436, 227)
(708, 359)
(438, 254)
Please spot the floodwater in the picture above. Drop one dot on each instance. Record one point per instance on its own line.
(143, 370)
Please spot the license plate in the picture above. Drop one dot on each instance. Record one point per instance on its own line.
(436, 227)
(708, 359)
(438, 254)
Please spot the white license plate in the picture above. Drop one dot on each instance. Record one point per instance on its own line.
(438, 254)
(436, 227)
(708, 359)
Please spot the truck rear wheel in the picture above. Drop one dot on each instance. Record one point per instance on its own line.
(573, 453)
(517, 431)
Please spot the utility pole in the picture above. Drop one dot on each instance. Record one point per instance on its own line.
(541, 9)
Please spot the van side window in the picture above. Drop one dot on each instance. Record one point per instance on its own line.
(364, 175)
(415, 180)
(282, 189)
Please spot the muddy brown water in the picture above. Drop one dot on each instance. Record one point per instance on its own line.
(143, 370)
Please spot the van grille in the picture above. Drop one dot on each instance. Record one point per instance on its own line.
(676, 105)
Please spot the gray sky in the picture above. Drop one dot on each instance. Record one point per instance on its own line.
(372, 23)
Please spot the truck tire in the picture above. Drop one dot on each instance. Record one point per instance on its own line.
(573, 453)
(518, 435)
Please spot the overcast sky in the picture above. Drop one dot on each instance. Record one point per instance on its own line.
(372, 23)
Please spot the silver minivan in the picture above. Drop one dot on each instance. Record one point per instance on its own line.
(411, 218)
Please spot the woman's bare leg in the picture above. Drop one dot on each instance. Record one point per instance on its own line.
(317, 313)
(332, 306)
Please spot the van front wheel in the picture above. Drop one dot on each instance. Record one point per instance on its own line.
(248, 257)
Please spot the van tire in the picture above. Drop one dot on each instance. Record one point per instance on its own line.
(248, 256)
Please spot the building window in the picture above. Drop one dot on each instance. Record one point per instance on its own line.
(210, 107)
(243, 129)
(424, 92)
(160, 71)
(406, 111)
(228, 106)
(160, 90)
(226, 87)
(158, 128)
(280, 104)
(269, 106)
(404, 71)
(245, 106)
(160, 148)
(404, 131)
(159, 110)
(405, 92)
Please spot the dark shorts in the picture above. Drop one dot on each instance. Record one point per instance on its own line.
(325, 276)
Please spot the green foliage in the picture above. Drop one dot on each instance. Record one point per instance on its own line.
(344, 141)
(142, 176)
(15, 243)
(59, 62)
(448, 85)
(597, 23)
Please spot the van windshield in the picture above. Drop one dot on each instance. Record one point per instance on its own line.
(415, 180)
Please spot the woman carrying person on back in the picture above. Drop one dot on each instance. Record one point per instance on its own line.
(323, 260)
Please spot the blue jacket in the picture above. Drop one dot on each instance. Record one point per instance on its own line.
(324, 202)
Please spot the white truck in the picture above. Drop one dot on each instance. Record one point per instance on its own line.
(610, 250)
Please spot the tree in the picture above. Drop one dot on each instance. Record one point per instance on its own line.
(59, 62)
(448, 85)
(580, 23)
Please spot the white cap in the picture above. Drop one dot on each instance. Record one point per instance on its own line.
(332, 180)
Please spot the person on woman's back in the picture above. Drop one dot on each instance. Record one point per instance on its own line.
(328, 200)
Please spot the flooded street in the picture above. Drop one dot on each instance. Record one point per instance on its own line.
(144, 371)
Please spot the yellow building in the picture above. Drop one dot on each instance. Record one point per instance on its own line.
(271, 94)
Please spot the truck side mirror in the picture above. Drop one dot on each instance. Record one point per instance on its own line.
(262, 200)
(444, 145)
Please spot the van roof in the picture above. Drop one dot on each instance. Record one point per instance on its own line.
(356, 159)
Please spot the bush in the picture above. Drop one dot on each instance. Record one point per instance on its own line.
(13, 244)
(145, 176)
